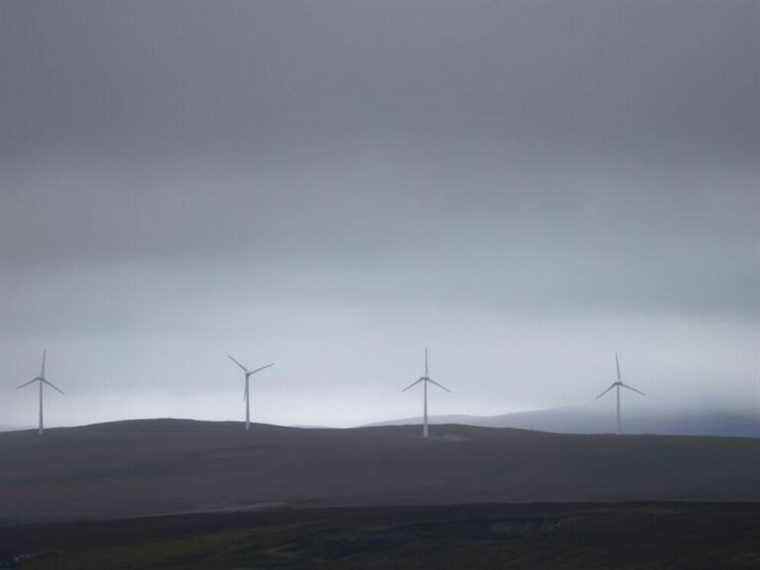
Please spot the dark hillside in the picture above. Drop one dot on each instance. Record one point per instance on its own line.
(164, 466)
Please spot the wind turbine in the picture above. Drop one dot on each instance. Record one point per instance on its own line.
(247, 394)
(41, 380)
(617, 385)
(425, 381)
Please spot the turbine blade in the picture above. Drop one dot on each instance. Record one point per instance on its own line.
(261, 368)
(617, 365)
(27, 383)
(44, 357)
(632, 388)
(237, 362)
(413, 384)
(53, 386)
(607, 390)
(439, 385)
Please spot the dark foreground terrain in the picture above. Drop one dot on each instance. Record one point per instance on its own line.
(529, 536)
(137, 468)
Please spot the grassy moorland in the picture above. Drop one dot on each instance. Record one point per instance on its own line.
(77, 498)
(530, 536)
(138, 468)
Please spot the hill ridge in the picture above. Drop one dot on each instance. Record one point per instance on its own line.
(141, 467)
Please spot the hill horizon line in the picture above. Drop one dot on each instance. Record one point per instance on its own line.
(566, 420)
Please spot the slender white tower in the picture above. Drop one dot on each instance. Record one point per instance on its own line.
(425, 380)
(617, 385)
(40, 381)
(248, 388)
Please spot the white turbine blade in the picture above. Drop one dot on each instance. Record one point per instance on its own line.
(617, 365)
(439, 385)
(261, 368)
(44, 357)
(236, 362)
(413, 384)
(607, 390)
(632, 388)
(53, 386)
(27, 383)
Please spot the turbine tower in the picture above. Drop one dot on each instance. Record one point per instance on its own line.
(617, 385)
(425, 381)
(40, 381)
(247, 394)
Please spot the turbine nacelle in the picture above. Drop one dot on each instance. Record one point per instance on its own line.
(425, 379)
(255, 370)
(621, 385)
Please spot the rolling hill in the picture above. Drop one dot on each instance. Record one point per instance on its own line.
(586, 420)
(143, 467)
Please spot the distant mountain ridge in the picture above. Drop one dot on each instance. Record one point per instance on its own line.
(584, 420)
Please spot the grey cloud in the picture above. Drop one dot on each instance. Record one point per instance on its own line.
(336, 184)
(181, 74)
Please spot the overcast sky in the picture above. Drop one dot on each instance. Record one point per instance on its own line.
(525, 187)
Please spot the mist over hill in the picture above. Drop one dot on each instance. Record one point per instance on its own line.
(144, 467)
(586, 420)
(13, 428)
